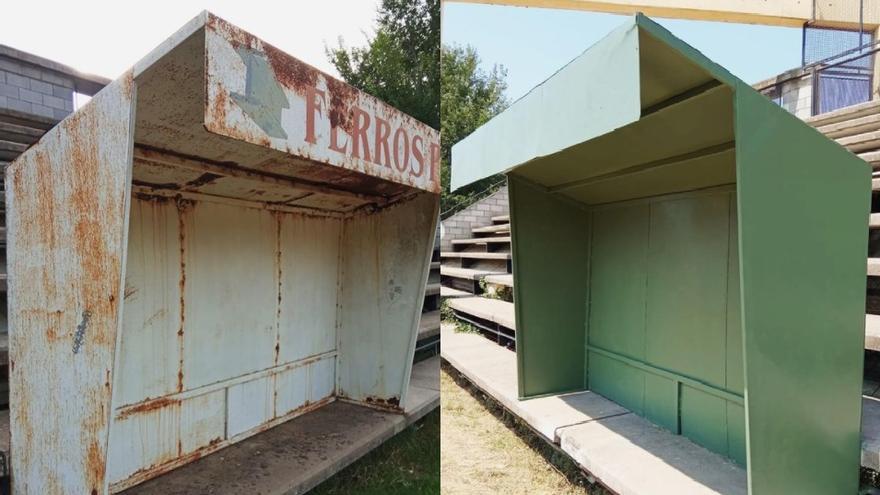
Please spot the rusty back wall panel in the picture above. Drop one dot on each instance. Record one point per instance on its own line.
(67, 200)
(229, 327)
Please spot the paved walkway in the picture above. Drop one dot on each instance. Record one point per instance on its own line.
(623, 451)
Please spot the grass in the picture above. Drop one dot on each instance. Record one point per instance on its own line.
(409, 463)
(485, 449)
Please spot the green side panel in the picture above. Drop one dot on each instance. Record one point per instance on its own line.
(736, 433)
(661, 402)
(619, 253)
(550, 240)
(704, 419)
(803, 206)
(687, 286)
(618, 381)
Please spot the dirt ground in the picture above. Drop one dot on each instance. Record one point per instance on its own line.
(484, 450)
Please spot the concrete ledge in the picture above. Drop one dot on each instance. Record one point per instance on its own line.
(296, 456)
(505, 280)
(623, 451)
(466, 273)
(494, 310)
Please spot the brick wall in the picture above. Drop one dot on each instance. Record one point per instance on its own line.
(479, 214)
(35, 90)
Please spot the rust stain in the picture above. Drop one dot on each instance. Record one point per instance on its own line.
(391, 403)
(205, 178)
(95, 465)
(148, 406)
(342, 98)
(220, 105)
(183, 207)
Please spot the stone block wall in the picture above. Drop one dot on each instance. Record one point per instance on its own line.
(479, 214)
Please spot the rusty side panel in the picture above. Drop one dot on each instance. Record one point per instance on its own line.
(262, 95)
(66, 202)
(385, 267)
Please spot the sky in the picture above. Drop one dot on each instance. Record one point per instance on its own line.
(533, 43)
(105, 38)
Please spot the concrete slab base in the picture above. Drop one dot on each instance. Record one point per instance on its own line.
(623, 451)
(296, 456)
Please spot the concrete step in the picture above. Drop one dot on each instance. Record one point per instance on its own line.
(851, 127)
(466, 273)
(874, 221)
(623, 451)
(492, 229)
(505, 280)
(501, 219)
(846, 113)
(872, 157)
(429, 325)
(872, 332)
(494, 310)
(19, 133)
(874, 267)
(435, 265)
(432, 289)
(861, 142)
(475, 255)
(450, 292)
(875, 184)
(481, 240)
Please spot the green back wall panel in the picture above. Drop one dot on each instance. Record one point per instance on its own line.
(803, 207)
(550, 240)
(660, 305)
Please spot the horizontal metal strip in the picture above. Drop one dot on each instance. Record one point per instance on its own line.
(654, 370)
(128, 409)
(643, 167)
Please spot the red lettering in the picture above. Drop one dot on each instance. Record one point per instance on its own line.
(417, 142)
(312, 105)
(334, 137)
(435, 160)
(383, 132)
(401, 132)
(359, 134)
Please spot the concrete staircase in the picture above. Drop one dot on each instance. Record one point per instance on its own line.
(858, 129)
(429, 326)
(474, 273)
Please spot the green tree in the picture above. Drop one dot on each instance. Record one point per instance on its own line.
(401, 63)
(469, 97)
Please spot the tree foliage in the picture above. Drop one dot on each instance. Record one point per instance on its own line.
(402, 63)
(469, 97)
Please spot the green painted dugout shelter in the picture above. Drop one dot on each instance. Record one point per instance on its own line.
(688, 249)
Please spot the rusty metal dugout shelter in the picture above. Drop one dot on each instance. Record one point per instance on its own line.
(224, 238)
(689, 250)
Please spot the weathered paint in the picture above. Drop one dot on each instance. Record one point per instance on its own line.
(217, 306)
(259, 94)
(680, 277)
(377, 311)
(67, 205)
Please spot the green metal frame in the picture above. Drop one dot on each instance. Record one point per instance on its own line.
(688, 249)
